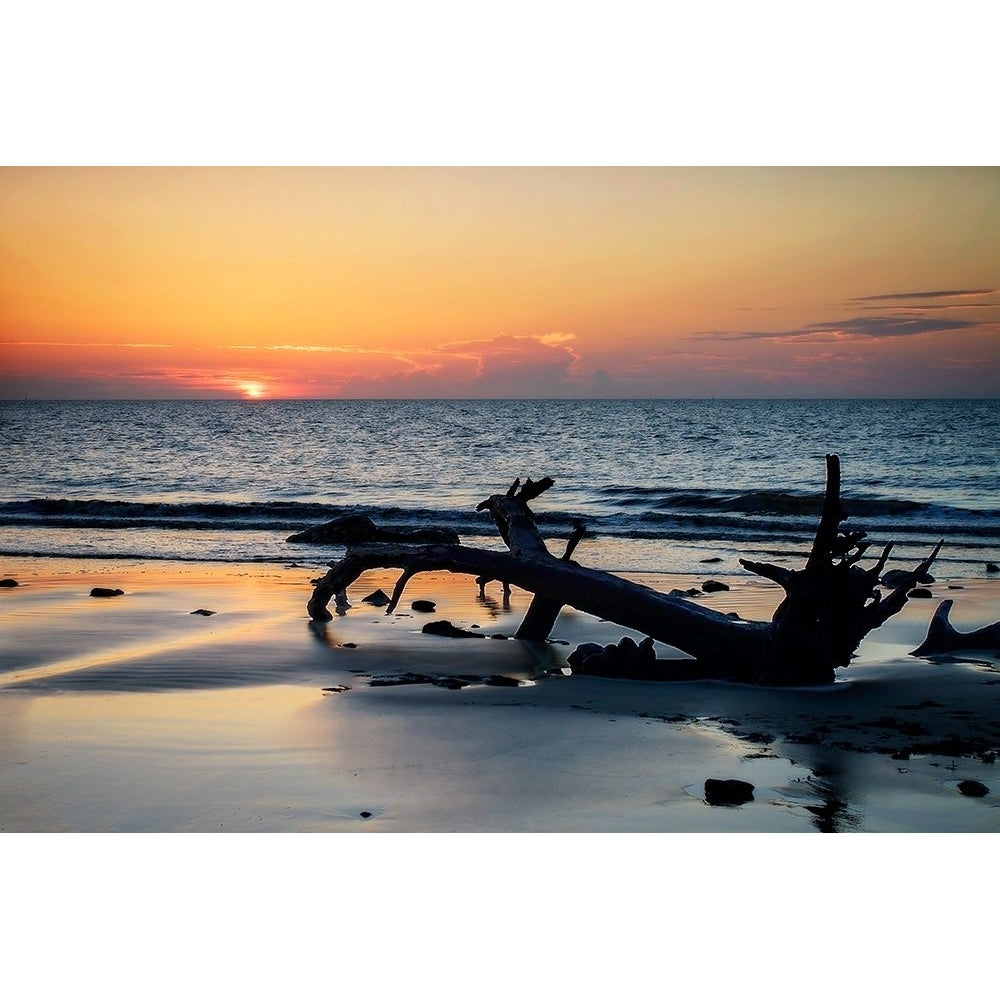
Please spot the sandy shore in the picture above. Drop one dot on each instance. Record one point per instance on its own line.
(132, 714)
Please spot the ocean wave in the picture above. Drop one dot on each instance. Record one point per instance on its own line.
(688, 515)
(767, 502)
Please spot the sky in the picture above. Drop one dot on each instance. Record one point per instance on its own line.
(511, 282)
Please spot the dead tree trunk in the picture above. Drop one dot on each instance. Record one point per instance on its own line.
(830, 604)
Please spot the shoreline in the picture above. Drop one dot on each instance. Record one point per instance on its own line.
(132, 713)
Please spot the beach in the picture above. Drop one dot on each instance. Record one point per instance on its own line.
(131, 713)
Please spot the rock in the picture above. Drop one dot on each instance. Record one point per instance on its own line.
(446, 628)
(582, 652)
(712, 586)
(693, 592)
(204, 612)
(499, 635)
(974, 788)
(348, 645)
(8, 583)
(337, 689)
(711, 559)
(499, 680)
(398, 680)
(365, 814)
(378, 598)
(919, 592)
(106, 592)
(627, 659)
(357, 529)
(727, 792)
(423, 605)
(992, 567)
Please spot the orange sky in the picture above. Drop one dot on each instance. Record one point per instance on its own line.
(286, 282)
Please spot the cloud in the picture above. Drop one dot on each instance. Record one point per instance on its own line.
(923, 307)
(869, 327)
(949, 293)
(502, 366)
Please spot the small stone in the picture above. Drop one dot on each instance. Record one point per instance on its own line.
(337, 689)
(423, 605)
(8, 583)
(348, 645)
(727, 792)
(378, 598)
(498, 635)
(992, 567)
(203, 611)
(712, 586)
(106, 592)
(365, 814)
(919, 592)
(711, 559)
(446, 628)
(974, 788)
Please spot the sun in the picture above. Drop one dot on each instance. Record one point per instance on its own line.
(252, 390)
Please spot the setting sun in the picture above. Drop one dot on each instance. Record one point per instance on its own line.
(252, 390)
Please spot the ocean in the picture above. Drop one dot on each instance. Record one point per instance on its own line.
(663, 485)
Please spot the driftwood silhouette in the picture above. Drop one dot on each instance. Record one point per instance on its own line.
(830, 604)
(943, 637)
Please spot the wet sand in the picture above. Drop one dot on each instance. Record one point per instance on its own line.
(132, 714)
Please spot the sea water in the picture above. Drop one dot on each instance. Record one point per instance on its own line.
(662, 485)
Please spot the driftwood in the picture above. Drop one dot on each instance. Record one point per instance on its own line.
(829, 606)
(943, 637)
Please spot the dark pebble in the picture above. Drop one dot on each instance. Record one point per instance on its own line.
(202, 611)
(919, 592)
(974, 788)
(365, 814)
(337, 689)
(423, 605)
(498, 635)
(106, 592)
(348, 645)
(379, 598)
(446, 628)
(712, 586)
(711, 559)
(992, 568)
(727, 792)
(8, 583)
